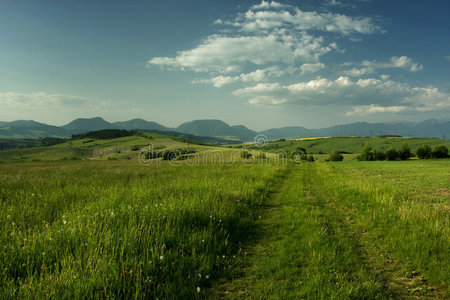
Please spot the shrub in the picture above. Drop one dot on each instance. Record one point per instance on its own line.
(379, 155)
(300, 152)
(246, 154)
(424, 152)
(392, 154)
(440, 152)
(310, 158)
(336, 156)
(153, 154)
(405, 152)
(366, 153)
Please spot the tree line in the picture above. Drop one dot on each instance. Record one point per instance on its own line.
(404, 153)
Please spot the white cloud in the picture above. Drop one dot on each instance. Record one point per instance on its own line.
(370, 67)
(370, 109)
(232, 54)
(269, 4)
(260, 75)
(402, 62)
(311, 68)
(355, 72)
(265, 17)
(448, 57)
(268, 34)
(370, 95)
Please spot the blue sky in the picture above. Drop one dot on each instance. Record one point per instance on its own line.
(262, 64)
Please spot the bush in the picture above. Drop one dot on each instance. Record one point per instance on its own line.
(246, 154)
(440, 152)
(392, 154)
(379, 155)
(424, 152)
(300, 152)
(405, 152)
(261, 155)
(174, 153)
(367, 153)
(310, 158)
(153, 154)
(336, 156)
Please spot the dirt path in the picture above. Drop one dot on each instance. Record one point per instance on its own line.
(307, 246)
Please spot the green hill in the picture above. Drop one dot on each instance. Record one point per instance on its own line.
(346, 144)
(99, 145)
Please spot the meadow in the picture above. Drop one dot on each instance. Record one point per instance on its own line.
(261, 228)
(115, 229)
(346, 144)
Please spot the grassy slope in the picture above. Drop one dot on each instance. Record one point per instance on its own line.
(92, 149)
(350, 144)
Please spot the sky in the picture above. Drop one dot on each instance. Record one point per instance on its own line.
(263, 64)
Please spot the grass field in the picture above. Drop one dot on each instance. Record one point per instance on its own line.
(347, 144)
(111, 229)
(117, 228)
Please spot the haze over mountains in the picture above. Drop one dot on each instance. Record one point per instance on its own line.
(218, 128)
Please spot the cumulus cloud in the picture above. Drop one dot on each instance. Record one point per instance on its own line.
(266, 35)
(262, 17)
(371, 67)
(364, 95)
(225, 54)
(402, 62)
(259, 75)
(311, 68)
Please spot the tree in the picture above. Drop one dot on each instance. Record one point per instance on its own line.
(366, 153)
(424, 152)
(440, 152)
(405, 152)
(336, 156)
(246, 154)
(392, 154)
(379, 155)
(299, 153)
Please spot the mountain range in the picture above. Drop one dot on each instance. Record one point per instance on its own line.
(218, 128)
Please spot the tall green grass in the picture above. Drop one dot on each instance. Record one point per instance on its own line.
(402, 209)
(119, 229)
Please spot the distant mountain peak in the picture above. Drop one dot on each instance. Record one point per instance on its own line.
(82, 125)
